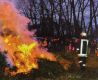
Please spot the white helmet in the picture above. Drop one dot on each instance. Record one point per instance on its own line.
(83, 34)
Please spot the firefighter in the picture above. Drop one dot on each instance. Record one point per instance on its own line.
(83, 51)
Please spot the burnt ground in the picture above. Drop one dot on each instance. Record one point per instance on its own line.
(55, 71)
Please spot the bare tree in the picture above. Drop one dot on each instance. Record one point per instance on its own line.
(70, 15)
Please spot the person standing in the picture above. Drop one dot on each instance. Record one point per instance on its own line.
(83, 51)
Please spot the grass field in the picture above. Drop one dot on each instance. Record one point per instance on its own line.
(55, 71)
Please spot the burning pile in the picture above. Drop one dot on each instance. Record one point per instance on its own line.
(22, 50)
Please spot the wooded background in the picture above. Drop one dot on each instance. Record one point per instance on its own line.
(61, 18)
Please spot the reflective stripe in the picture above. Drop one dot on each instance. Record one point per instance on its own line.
(84, 65)
(82, 55)
(78, 49)
(80, 61)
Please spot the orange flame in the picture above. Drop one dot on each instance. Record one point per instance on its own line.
(17, 41)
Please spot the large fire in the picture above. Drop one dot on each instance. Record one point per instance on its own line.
(17, 41)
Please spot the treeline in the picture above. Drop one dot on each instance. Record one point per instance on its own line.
(61, 17)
